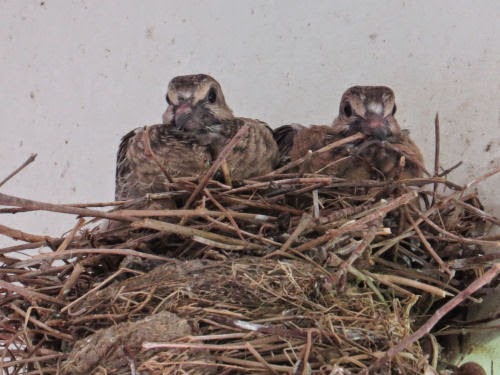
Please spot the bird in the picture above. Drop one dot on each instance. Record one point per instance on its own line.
(196, 126)
(385, 152)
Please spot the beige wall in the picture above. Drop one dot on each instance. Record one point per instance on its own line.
(76, 75)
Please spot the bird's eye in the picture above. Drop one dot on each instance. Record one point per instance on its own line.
(347, 110)
(212, 95)
(167, 99)
(394, 110)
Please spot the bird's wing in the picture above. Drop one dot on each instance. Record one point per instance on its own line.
(255, 154)
(284, 137)
(123, 168)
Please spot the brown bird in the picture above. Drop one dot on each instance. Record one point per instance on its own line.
(369, 110)
(197, 125)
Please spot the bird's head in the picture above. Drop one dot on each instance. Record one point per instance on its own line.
(194, 102)
(370, 110)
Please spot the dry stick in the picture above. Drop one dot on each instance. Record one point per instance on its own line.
(49, 331)
(72, 234)
(427, 245)
(481, 179)
(324, 180)
(193, 233)
(453, 196)
(331, 146)
(335, 182)
(28, 161)
(32, 359)
(197, 212)
(71, 281)
(9, 200)
(29, 294)
(216, 164)
(436, 155)
(449, 170)
(307, 352)
(459, 238)
(342, 269)
(304, 223)
(469, 263)
(90, 292)
(83, 205)
(246, 364)
(165, 345)
(23, 236)
(483, 215)
(262, 204)
(225, 212)
(435, 318)
(360, 223)
(226, 227)
(35, 259)
(259, 358)
(414, 284)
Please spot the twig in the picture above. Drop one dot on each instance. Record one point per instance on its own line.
(71, 236)
(414, 284)
(436, 154)
(197, 212)
(71, 280)
(28, 161)
(305, 222)
(427, 245)
(226, 213)
(47, 330)
(29, 294)
(26, 237)
(360, 223)
(435, 318)
(192, 232)
(36, 259)
(259, 358)
(451, 169)
(9, 200)
(344, 266)
(216, 164)
(328, 147)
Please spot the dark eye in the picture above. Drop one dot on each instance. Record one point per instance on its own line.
(347, 110)
(394, 110)
(212, 95)
(167, 99)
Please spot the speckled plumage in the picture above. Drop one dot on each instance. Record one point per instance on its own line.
(197, 125)
(366, 109)
(137, 173)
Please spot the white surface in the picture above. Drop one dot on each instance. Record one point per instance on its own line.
(77, 75)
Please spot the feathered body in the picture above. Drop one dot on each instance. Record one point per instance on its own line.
(197, 125)
(369, 110)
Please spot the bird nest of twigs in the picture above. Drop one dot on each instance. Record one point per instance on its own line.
(281, 274)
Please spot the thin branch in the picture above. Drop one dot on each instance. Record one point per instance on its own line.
(216, 164)
(28, 161)
(435, 318)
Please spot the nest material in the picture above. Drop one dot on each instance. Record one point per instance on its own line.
(286, 273)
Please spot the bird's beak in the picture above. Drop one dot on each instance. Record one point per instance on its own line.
(181, 114)
(376, 126)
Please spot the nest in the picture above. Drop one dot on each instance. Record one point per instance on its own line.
(282, 274)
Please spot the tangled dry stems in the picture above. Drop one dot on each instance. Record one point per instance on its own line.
(286, 273)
